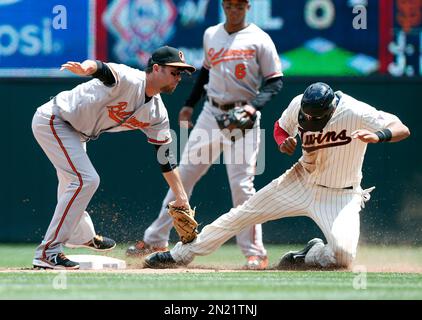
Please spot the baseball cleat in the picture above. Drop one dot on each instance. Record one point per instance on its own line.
(57, 262)
(141, 249)
(98, 243)
(160, 260)
(296, 259)
(256, 263)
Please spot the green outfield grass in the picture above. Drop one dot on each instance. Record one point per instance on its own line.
(259, 285)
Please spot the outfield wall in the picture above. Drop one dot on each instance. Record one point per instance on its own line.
(132, 187)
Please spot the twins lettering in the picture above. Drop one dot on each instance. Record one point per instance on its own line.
(324, 140)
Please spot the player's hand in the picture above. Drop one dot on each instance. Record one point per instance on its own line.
(365, 136)
(249, 110)
(85, 68)
(185, 117)
(288, 146)
(181, 203)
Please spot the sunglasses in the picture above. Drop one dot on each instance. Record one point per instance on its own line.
(176, 73)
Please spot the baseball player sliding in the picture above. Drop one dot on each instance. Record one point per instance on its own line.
(324, 184)
(238, 58)
(119, 98)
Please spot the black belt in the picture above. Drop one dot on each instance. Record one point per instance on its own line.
(228, 106)
(345, 188)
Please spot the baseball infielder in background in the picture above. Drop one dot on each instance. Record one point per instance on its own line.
(324, 184)
(118, 99)
(238, 58)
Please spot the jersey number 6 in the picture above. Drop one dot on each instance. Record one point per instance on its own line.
(240, 71)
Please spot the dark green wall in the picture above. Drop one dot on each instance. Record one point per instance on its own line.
(132, 187)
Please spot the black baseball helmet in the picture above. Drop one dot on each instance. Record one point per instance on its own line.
(316, 107)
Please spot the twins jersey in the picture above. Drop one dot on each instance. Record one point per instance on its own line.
(238, 62)
(92, 107)
(331, 156)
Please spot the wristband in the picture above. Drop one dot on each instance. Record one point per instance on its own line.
(384, 135)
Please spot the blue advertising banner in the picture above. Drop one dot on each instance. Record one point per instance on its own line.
(313, 37)
(36, 37)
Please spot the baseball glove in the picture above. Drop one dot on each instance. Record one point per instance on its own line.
(184, 222)
(236, 118)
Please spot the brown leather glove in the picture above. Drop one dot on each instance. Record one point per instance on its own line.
(184, 222)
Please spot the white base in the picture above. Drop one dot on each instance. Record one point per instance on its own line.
(93, 262)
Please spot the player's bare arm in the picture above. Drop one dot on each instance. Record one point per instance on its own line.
(198, 91)
(86, 68)
(175, 184)
(395, 132)
(288, 146)
(185, 117)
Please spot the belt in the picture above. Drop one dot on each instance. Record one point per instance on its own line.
(228, 106)
(345, 188)
(87, 138)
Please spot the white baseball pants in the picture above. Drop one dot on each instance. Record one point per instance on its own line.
(78, 182)
(205, 144)
(336, 212)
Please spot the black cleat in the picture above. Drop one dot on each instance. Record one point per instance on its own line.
(57, 262)
(98, 243)
(296, 259)
(160, 260)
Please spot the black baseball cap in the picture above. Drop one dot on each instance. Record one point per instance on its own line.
(169, 56)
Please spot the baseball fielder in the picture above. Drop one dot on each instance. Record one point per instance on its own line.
(119, 98)
(324, 184)
(238, 57)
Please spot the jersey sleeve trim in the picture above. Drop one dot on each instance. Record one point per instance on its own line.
(274, 75)
(153, 141)
(280, 135)
(115, 73)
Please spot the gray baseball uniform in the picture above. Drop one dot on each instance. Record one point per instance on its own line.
(64, 124)
(237, 63)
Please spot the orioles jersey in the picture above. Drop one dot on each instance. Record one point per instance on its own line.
(238, 62)
(92, 108)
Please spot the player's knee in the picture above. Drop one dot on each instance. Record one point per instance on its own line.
(91, 181)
